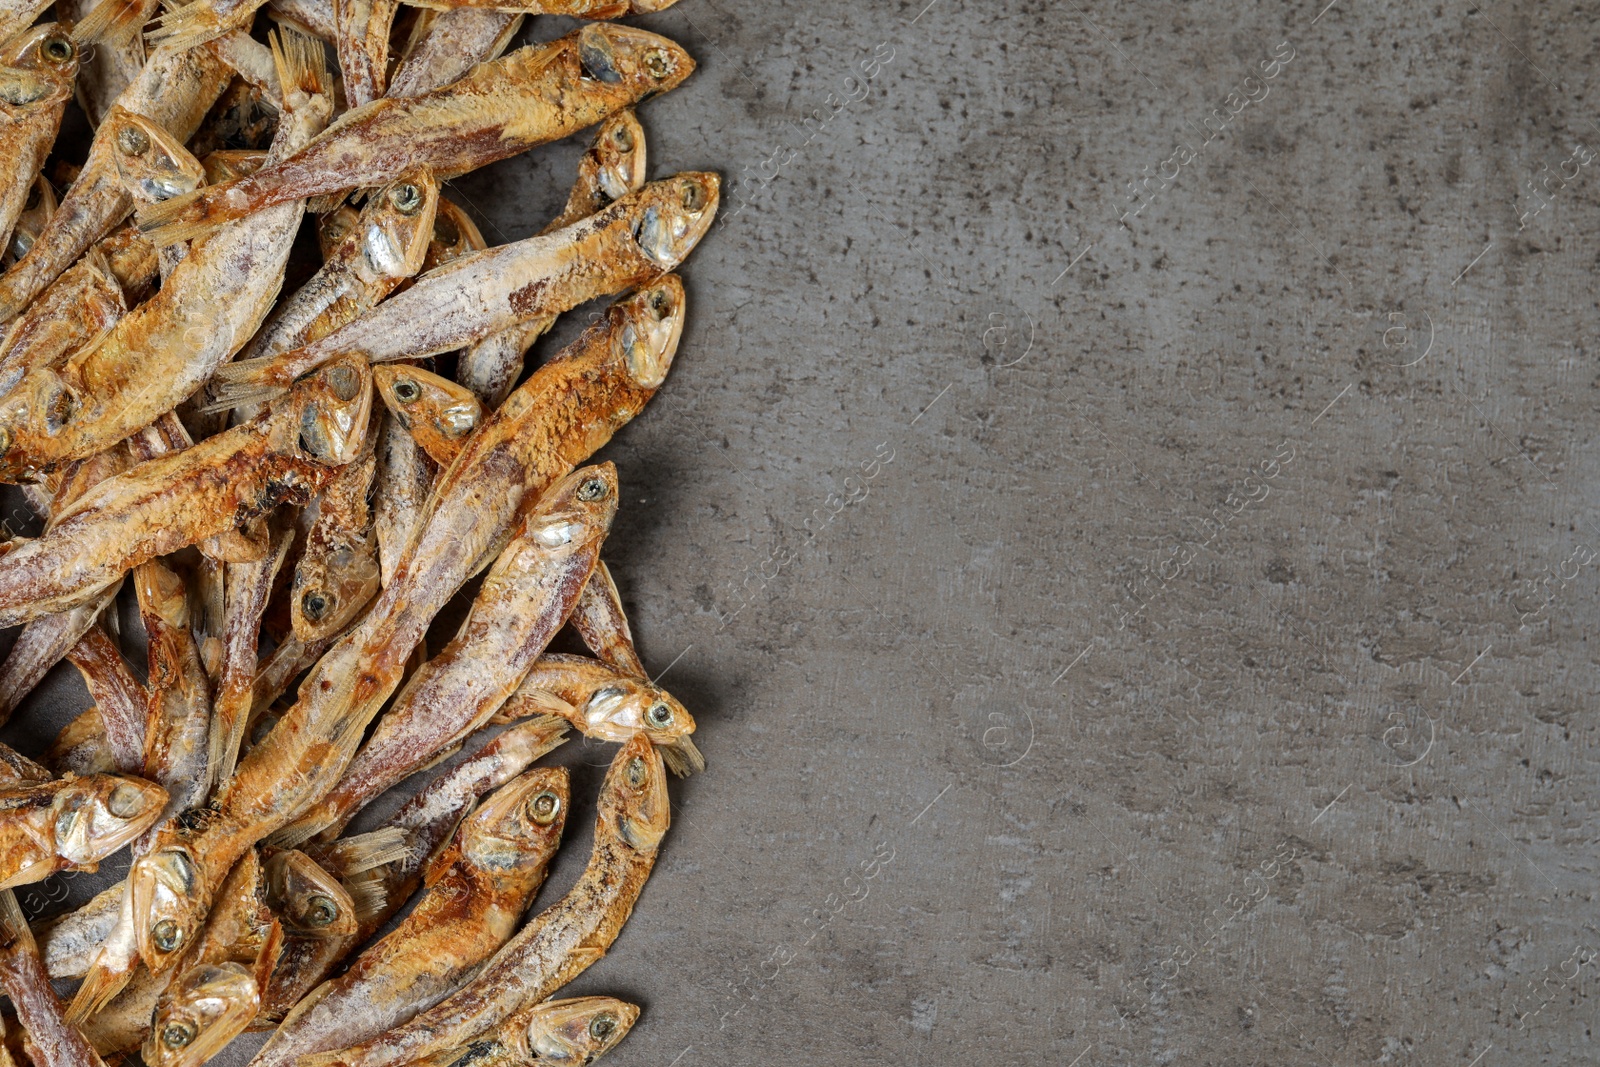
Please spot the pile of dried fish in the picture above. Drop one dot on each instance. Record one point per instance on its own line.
(290, 483)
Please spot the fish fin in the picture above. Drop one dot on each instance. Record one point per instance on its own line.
(113, 22)
(363, 852)
(37, 871)
(525, 703)
(15, 933)
(302, 64)
(99, 986)
(184, 25)
(236, 384)
(682, 757)
(368, 893)
(180, 218)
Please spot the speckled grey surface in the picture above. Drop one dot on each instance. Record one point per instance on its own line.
(1123, 630)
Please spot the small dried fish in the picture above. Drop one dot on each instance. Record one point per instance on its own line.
(37, 70)
(530, 97)
(404, 480)
(337, 574)
(613, 167)
(583, 9)
(477, 890)
(361, 35)
(173, 90)
(603, 625)
(180, 693)
(320, 923)
(438, 413)
(285, 454)
(121, 701)
(556, 945)
(607, 705)
(53, 1041)
(558, 1033)
(528, 592)
(248, 587)
(165, 349)
(71, 823)
(377, 250)
(68, 942)
(36, 212)
(634, 240)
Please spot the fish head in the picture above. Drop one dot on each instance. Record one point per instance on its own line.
(170, 902)
(206, 1007)
(426, 402)
(152, 164)
(396, 227)
(571, 1032)
(37, 65)
(454, 235)
(334, 228)
(329, 590)
(335, 405)
(633, 798)
(97, 815)
(520, 823)
(617, 159)
(673, 214)
(638, 63)
(33, 416)
(576, 510)
(618, 710)
(308, 900)
(645, 327)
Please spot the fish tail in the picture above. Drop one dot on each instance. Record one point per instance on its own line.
(186, 25)
(113, 22)
(15, 934)
(682, 757)
(182, 218)
(301, 61)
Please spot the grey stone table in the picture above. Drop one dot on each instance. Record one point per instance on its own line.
(1123, 514)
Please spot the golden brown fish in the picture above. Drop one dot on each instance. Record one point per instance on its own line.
(71, 823)
(449, 45)
(122, 704)
(635, 239)
(527, 593)
(530, 97)
(478, 888)
(556, 945)
(179, 718)
(37, 70)
(557, 1033)
(404, 480)
(607, 705)
(53, 1042)
(35, 214)
(320, 921)
(337, 574)
(248, 585)
(603, 625)
(438, 413)
(286, 454)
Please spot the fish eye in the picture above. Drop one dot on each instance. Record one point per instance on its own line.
(655, 61)
(5, 440)
(334, 232)
(406, 390)
(59, 49)
(133, 141)
(59, 410)
(659, 715)
(315, 604)
(126, 801)
(321, 910)
(636, 772)
(623, 139)
(166, 935)
(177, 1035)
(406, 198)
(591, 490)
(602, 1027)
(693, 197)
(542, 808)
(660, 304)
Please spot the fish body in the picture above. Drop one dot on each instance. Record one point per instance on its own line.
(477, 891)
(53, 1041)
(71, 823)
(451, 44)
(603, 624)
(337, 573)
(37, 70)
(529, 97)
(557, 944)
(179, 717)
(157, 507)
(520, 606)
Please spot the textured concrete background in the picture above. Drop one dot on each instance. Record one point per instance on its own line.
(1149, 641)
